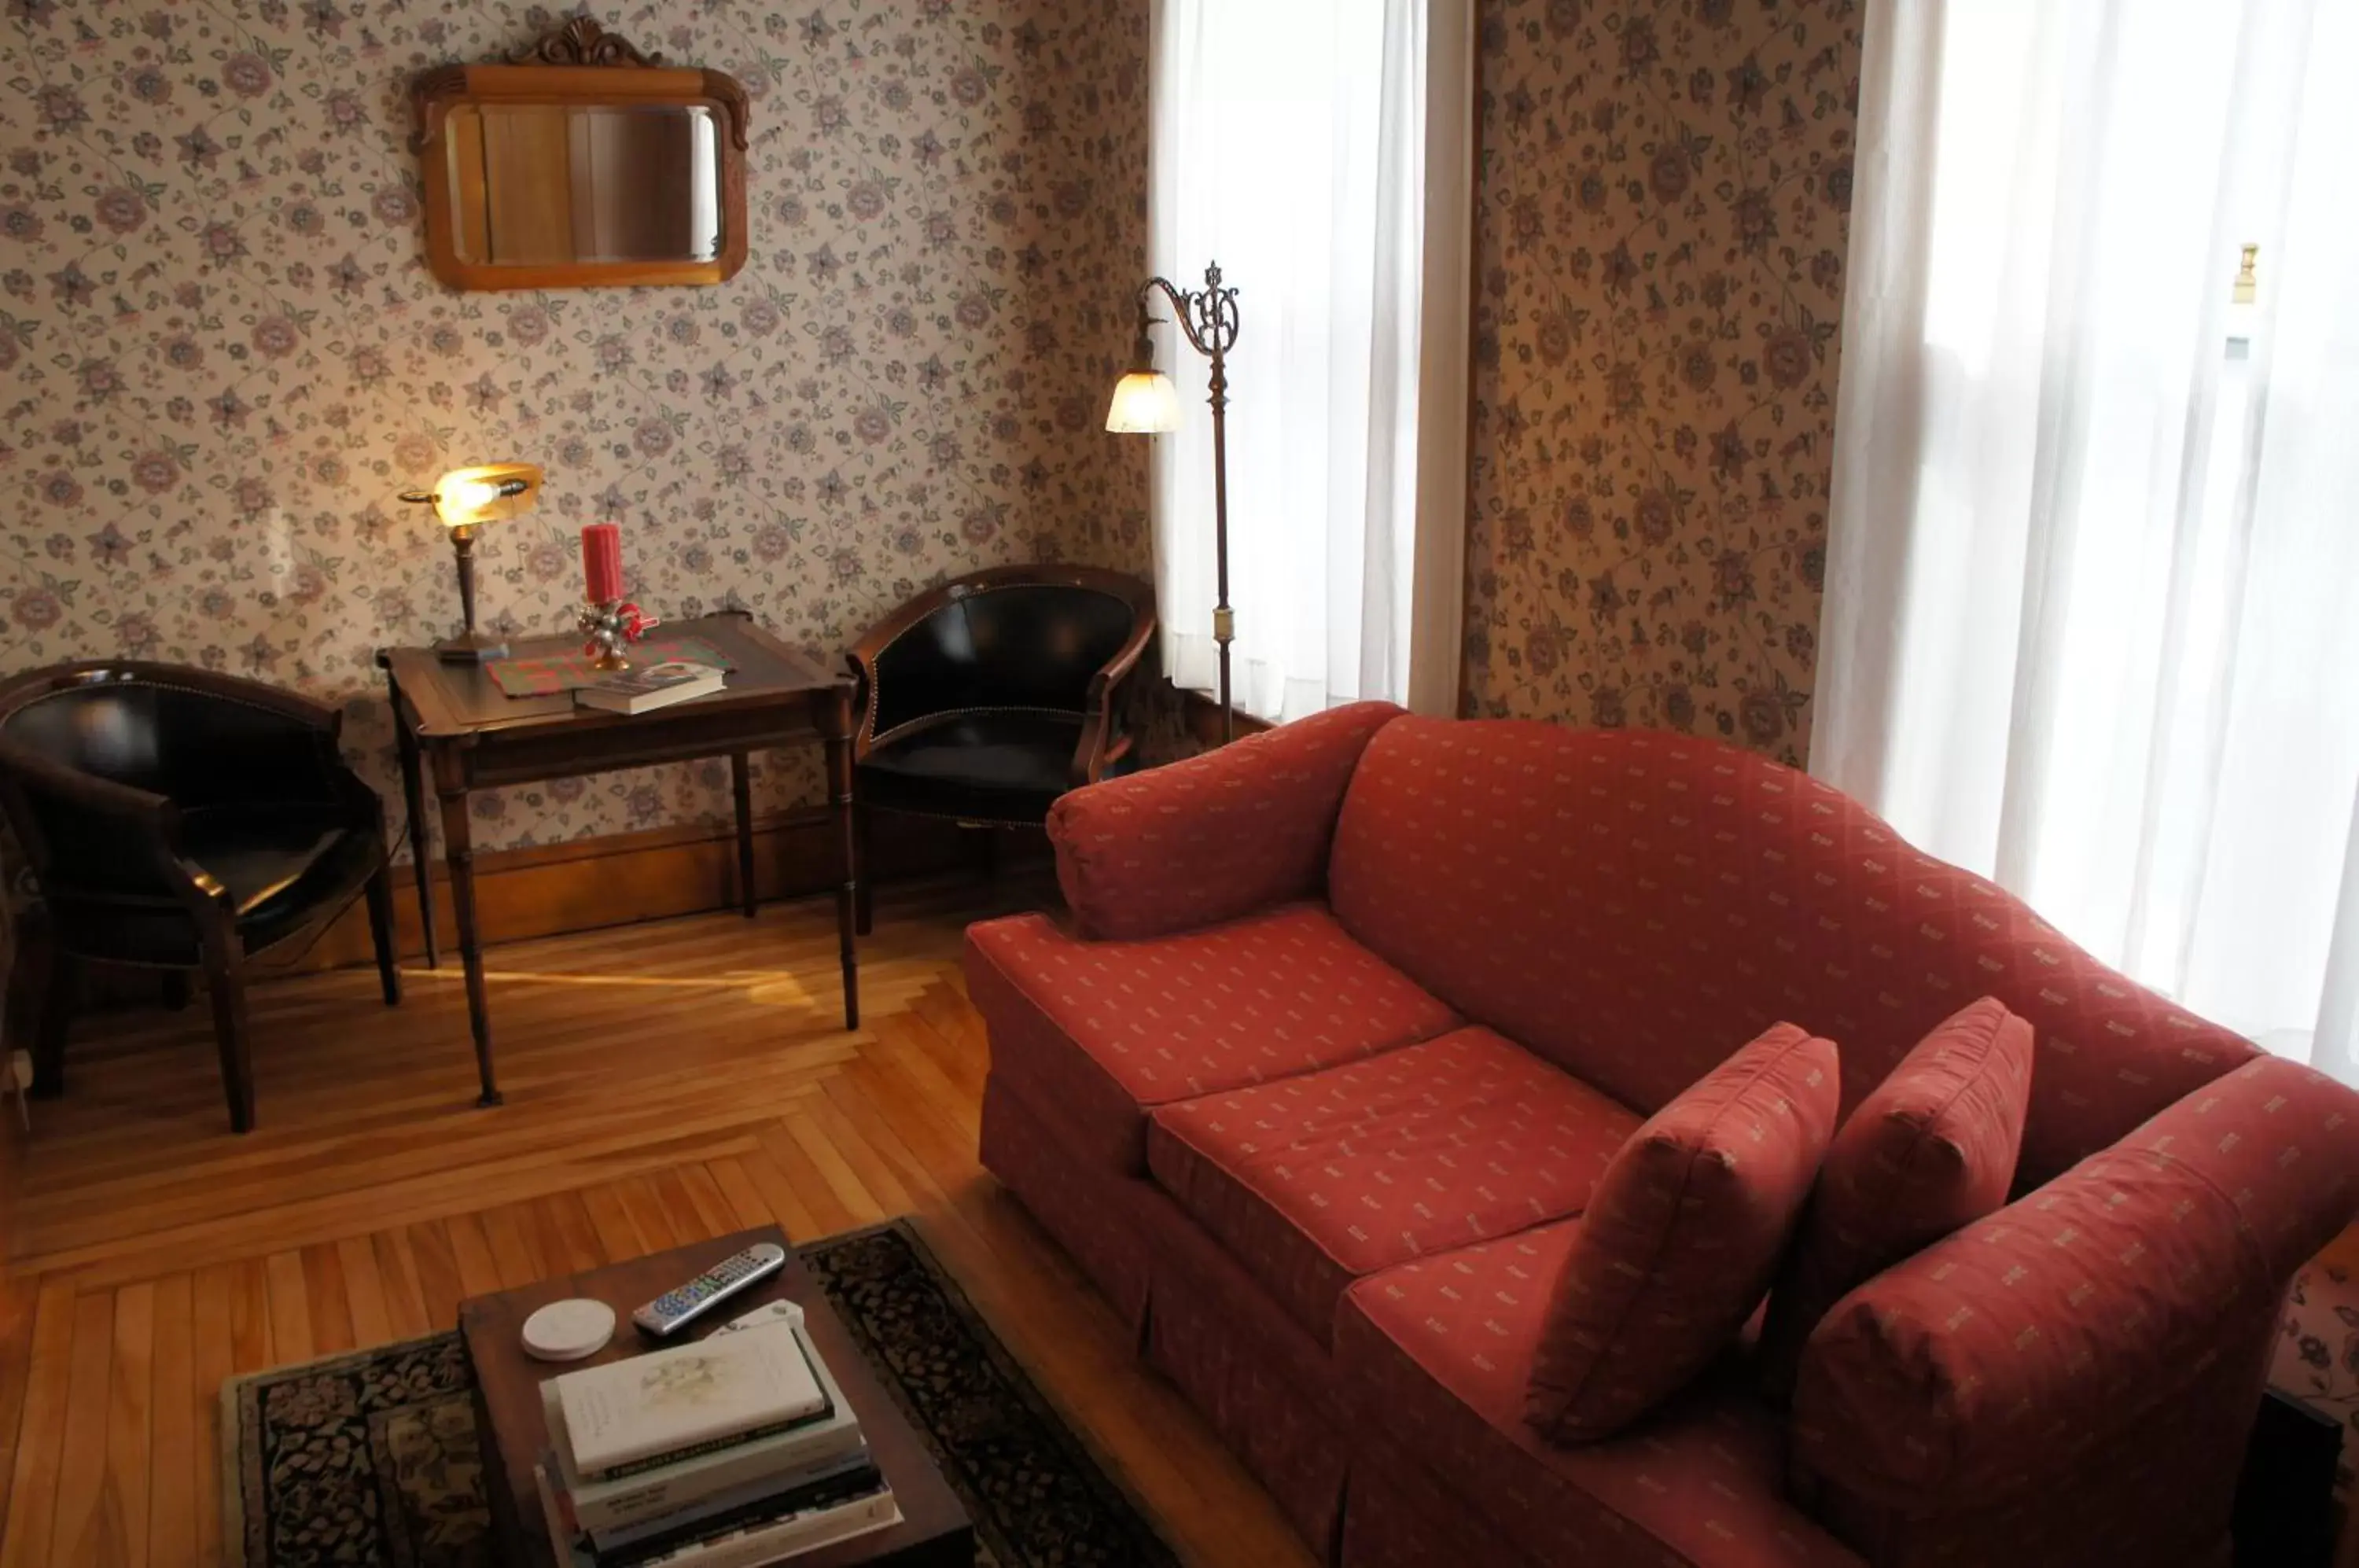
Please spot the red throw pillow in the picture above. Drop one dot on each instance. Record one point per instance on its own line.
(1932, 1148)
(1681, 1236)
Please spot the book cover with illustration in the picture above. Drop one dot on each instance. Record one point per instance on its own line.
(631, 1495)
(656, 686)
(718, 1388)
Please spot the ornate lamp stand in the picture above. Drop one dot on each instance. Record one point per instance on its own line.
(1145, 402)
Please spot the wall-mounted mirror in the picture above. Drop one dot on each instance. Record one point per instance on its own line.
(581, 163)
(539, 184)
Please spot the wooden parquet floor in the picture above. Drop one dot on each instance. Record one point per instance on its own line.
(665, 1083)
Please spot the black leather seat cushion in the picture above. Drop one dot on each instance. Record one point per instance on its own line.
(987, 765)
(277, 862)
(283, 903)
(259, 852)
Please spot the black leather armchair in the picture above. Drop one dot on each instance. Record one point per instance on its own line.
(986, 698)
(186, 821)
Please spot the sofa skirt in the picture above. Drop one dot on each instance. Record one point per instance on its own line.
(1260, 1381)
(1398, 1514)
(1077, 1204)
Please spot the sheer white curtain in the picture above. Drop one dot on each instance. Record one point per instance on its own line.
(2092, 618)
(1292, 144)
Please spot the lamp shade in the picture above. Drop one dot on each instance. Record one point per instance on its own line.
(486, 493)
(1145, 403)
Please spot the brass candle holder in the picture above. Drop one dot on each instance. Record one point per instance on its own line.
(609, 629)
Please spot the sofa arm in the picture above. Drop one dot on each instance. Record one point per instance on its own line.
(2074, 1315)
(1215, 837)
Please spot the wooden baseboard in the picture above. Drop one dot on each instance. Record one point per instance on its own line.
(551, 889)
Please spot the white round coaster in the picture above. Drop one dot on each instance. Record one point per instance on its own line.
(569, 1331)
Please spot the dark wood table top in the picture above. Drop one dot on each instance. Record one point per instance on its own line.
(933, 1528)
(463, 699)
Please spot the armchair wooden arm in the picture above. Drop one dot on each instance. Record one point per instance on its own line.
(143, 865)
(864, 656)
(1100, 747)
(131, 848)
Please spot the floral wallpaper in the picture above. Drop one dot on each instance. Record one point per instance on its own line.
(1661, 224)
(221, 356)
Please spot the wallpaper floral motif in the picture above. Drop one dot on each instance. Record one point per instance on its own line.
(221, 358)
(1661, 220)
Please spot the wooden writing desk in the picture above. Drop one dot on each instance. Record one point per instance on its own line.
(453, 723)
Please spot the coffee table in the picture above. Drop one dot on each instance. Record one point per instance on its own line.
(933, 1532)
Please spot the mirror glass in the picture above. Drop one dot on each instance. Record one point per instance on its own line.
(533, 184)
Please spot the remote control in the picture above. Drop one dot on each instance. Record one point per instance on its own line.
(675, 1310)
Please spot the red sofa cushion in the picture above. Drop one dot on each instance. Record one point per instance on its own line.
(1625, 902)
(1215, 837)
(1930, 1150)
(1438, 1353)
(2020, 1344)
(1312, 1182)
(1094, 1034)
(1682, 1236)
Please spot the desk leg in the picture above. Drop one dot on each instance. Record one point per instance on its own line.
(460, 852)
(413, 788)
(740, 785)
(847, 891)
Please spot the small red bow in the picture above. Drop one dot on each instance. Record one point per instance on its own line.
(631, 621)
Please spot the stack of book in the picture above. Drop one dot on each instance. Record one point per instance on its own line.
(730, 1453)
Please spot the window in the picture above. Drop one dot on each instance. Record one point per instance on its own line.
(2091, 622)
(1291, 146)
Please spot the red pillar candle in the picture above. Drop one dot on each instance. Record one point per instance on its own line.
(602, 561)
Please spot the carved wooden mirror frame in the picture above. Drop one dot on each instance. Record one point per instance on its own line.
(581, 62)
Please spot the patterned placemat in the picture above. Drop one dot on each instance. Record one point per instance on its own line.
(371, 1457)
(550, 673)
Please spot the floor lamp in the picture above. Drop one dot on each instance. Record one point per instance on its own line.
(1146, 403)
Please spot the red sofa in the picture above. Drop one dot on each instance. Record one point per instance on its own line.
(1348, 1019)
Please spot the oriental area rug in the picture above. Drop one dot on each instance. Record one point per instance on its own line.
(371, 1458)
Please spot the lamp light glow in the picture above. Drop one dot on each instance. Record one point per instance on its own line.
(1145, 403)
(465, 497)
